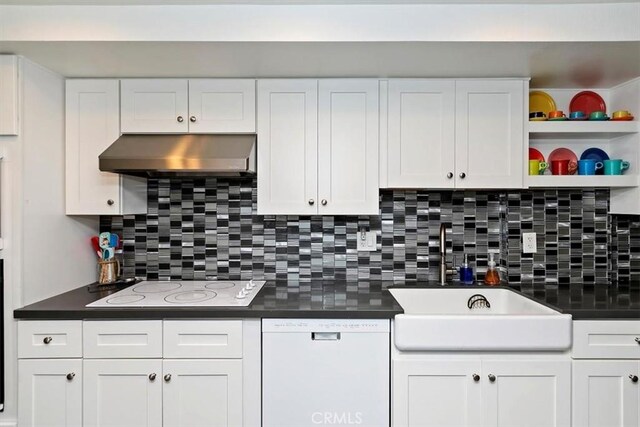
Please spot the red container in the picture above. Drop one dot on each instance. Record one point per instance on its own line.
(563, 167)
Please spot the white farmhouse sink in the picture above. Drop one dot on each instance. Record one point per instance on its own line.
(439, 319)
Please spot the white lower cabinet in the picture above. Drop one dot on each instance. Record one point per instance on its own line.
(605, 394)
(436, 393)
(117, 374)
(202, 393)
(475, 392)
(122, 392)
(50, 392)
(526, 393)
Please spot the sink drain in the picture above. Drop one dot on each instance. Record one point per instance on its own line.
(478, 301)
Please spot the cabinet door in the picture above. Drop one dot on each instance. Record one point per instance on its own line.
(436, 393)
(92, 124)
(287, 147)
(604, 395)
(9, 95)
(348, 181)
(222, 105)
(421, 126)
(489, 133)
(154, 106)
(202, 393)
(50, 392)
(122, 392)
(526, 393)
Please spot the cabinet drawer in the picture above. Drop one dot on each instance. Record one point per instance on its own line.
(122, 339)
(203, 339)
(614, 339)
(47, 339)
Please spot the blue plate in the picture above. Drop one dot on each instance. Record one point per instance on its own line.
(595, 154)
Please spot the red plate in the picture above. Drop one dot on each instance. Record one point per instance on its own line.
(588, 102)
(535, 155)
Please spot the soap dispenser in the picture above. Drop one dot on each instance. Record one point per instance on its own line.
(492, 278)
(466, 272)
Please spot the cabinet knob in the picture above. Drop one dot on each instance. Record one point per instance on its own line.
(192, 119)
(638, 340)
(450, 175)
(110, 202)
(167, 377)
(476, 377)
(71, 376)
(180, 119)
(324, 202)
(634, 378)
(463, 175)
(47, 340)
(492, 378)
(152, 377)
(311, 202)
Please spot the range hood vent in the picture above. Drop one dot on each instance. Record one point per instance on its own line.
(151, 155)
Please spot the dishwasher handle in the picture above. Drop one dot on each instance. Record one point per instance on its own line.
(325, 336)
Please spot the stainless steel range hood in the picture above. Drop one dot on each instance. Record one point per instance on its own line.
(181, 155)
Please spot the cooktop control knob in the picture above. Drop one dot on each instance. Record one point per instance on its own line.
(242, 294)
(250, 285)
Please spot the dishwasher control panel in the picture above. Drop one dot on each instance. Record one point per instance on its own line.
(325, 325)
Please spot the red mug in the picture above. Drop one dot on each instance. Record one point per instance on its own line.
(563, 167)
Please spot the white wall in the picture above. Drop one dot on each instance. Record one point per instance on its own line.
(45, 252)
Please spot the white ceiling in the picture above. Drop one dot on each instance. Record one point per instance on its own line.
(570, 65)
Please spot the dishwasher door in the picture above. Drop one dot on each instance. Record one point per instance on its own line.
(325, 372)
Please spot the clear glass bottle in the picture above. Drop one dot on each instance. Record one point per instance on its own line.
(492, 277)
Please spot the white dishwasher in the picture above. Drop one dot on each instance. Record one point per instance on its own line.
(325, 372)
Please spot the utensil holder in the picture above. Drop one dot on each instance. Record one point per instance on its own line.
(108, 271)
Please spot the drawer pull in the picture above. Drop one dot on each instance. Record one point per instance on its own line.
(167, 377)
(638, 340)
(47, 340)
(71, 375)
(492, 378)
(476, 377)
(152, 377)
(325, 336)
(634, 378)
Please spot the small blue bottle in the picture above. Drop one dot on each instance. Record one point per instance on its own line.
(466, 272)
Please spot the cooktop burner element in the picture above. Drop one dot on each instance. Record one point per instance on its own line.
(184, 294)
(187, 297)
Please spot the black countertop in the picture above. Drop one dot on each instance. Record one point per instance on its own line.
(324, 299)
(276, 300)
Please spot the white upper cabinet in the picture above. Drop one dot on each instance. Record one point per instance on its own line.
(92, 125)
(155, 106)
(182, 106)
(440, 133)
(287, 147)
(348, 147)
(490, 133)
(8, 95)
(222, 105)
(421, 128)
(318, 147)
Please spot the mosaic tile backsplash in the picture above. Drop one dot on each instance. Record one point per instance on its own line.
(207, 228)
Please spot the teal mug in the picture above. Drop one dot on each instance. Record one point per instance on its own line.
(615, 166)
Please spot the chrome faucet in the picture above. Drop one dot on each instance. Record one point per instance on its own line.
(444, 269)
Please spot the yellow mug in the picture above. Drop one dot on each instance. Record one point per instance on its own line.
(621, 114)
(537, 167)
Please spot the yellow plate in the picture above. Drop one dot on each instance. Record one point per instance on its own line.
(541, 101)
(538, 119)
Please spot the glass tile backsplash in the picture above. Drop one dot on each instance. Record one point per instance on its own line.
(207, 228)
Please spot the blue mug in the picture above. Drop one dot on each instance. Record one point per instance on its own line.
(576, 115)
(615, 166)
(588, 167)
